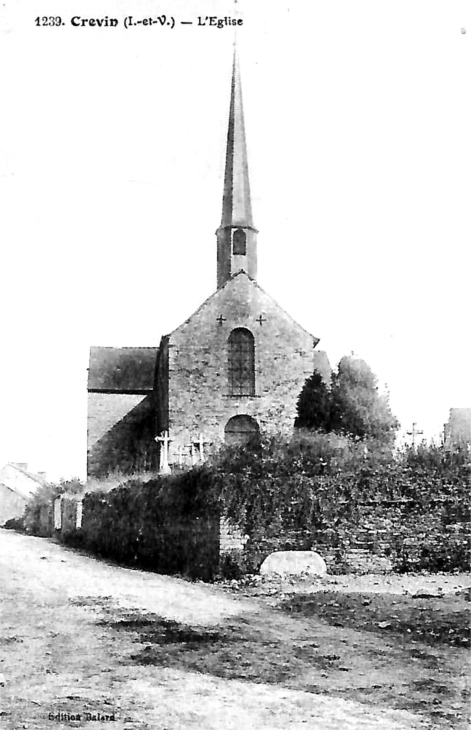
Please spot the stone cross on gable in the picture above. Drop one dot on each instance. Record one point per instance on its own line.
(164, 441)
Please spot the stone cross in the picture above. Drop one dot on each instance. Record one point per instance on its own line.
(415, 432)
(181, 450)
(220, 319)
(164, 441)
(200, 444)
(260, 320)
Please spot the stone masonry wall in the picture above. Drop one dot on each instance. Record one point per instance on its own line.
(230, 538)
(121, 431)
(199, 400)
(385, 536)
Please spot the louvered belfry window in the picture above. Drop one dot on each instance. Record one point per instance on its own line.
(239, 243)
(241, 362)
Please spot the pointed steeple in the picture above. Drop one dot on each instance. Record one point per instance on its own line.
(236, 204)
(237, 243)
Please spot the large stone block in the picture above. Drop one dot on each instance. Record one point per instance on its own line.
(294, 562)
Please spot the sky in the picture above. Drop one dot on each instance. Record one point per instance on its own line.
(112, 144)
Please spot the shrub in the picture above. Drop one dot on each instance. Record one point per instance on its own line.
(322, 489)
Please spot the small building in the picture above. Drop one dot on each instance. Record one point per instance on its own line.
(17, 486)
(458, 428)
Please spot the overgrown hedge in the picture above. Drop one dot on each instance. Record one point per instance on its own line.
(316, 491)
(38, 517)
(327, 492)
(169, 525)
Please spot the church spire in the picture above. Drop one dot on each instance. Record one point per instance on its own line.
(237, 242)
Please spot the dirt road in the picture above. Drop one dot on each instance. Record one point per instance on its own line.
(88, 644)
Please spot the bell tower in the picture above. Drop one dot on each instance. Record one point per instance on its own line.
(236, 236)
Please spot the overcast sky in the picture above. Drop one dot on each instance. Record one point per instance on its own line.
(111, 164)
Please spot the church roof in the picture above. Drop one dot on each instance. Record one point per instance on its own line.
(16, 477)
(122, 369)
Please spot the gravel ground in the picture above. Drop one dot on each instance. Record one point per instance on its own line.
(69, 646)
(390, 583)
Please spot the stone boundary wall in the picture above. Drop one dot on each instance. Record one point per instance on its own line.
(230, 538)
(382, 540)
(385, 538)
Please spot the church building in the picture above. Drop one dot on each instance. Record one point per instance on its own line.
(233, 369)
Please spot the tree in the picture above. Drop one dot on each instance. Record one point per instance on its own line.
(352, 405)
(314, 404)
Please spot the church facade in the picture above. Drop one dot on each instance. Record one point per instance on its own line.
(233, 369)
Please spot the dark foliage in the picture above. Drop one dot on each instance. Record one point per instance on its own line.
(38, 517)
(168, 524)
(326, 490)
(16, 523)
(352, 405)
(317, 490)
(314, 405)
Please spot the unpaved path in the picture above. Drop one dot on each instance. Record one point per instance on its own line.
(62, 657)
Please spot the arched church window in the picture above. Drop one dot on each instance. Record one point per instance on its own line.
(239, 242)
(241, 362)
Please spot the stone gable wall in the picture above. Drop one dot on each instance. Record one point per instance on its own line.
(198, 395)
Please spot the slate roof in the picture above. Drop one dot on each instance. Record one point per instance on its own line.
(17, 478)
(122, 369)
